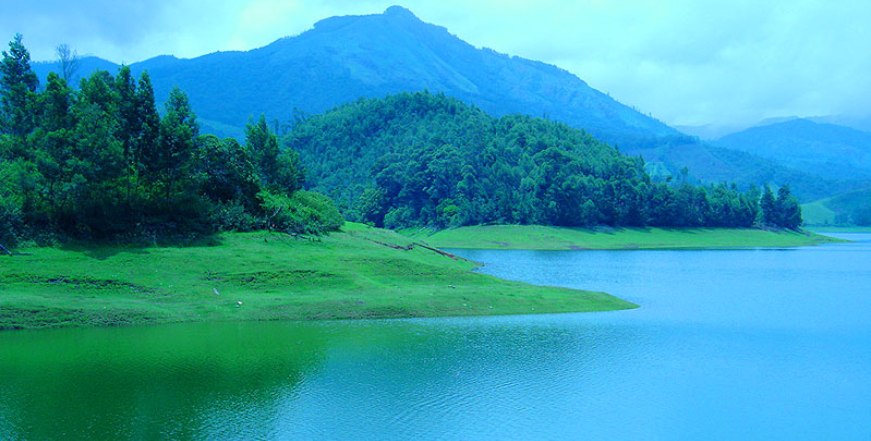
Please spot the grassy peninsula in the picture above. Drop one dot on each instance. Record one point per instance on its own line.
(538, 237)
(360, 272)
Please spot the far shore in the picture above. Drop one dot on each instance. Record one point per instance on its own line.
(823, 229)
(538, 237)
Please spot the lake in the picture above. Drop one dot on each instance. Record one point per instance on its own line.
(728, 344)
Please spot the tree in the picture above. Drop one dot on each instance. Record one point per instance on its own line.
(782, 211)
(69, 61)
(146, 145)
(129, 125)
(172, 160)
(53, 139)
(228, 174)
(289, 173)
(788, 208)
(18, 85)
(768, 206)
(97, 169)
(263, 146)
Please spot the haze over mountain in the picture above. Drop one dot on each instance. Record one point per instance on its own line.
(712, 132)
(827, 150)
(345, 58)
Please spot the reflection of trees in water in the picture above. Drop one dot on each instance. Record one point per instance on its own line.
(275, 380)
(167, 382)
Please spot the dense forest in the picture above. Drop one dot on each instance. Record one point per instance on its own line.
(426, 159)
(99, 162)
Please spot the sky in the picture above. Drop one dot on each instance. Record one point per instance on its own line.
(685, 62)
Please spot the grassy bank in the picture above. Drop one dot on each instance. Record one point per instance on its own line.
(358, 273)
(536, 237)
(823, 229)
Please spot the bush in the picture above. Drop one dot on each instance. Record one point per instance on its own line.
(232, 216)
(10, 222)
(303, 212)
(11, 202)
(398, 218)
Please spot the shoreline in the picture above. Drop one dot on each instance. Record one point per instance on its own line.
(358, 273)
(547, 238)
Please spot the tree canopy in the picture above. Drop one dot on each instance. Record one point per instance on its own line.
(417, 159)
(100, 162)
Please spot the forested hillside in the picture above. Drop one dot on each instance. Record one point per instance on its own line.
(99, 162)
(427, 159)
(710, 164)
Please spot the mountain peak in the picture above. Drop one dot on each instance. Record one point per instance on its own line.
(399, 12)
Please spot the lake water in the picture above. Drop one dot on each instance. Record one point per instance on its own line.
(748, 344)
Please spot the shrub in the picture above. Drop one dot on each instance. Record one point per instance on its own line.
(303, 212)
(10, 222)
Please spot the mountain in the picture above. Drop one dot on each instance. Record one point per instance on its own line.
(342, 59)
(862, 123)
(826, 150)
(345, 58)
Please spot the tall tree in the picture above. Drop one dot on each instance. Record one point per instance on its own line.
(128, 115)
(69, 61)
(18, 85)
(768, 207)
(53, 140)
(177, 142)
(788, 208)
(263, 146)
(149, 130)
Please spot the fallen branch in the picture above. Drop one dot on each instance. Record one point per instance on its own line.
(416, 244)
(390, 245)
(6, 250)
(443, 253)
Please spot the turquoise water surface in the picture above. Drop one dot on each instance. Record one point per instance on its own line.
(740, 344)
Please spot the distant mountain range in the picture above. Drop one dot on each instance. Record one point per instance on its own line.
(711, 132)
(345, 58)
(826, 150)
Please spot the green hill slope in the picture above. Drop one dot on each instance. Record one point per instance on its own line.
(425, 159)
(853, 208)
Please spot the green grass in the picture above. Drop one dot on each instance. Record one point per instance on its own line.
(823, 229)
(536, 237)
(840, 210)
(818, 213)
(358, 273)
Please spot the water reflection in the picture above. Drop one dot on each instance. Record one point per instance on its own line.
(171, 382)
(754, 344)
(366, 380)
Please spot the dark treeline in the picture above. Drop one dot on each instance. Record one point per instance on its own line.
(423, 159)
(100, 162)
